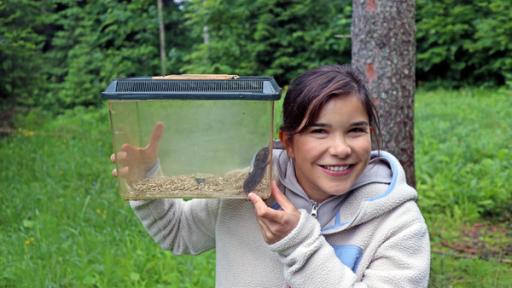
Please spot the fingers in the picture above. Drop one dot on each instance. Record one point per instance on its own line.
(137, 158)
(122, 172)
(265, 229)
(262, 210)
(118, 157)
(265, 225)
(129, 148)
(274, 224)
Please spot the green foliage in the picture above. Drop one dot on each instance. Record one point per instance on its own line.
(21, 64)
(70, 51)
(61, 54)
(462, 42)
(267, 37)
(105, 40)
(463, 146)
(98, 41)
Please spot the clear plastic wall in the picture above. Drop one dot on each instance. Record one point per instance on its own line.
(209, 148)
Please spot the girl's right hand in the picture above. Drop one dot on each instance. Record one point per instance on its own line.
(275, 224)
(134, 162)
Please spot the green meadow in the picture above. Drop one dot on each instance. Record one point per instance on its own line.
(62, 223)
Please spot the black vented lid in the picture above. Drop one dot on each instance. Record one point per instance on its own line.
(145, 88)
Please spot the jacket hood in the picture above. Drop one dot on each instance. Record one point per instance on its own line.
(380, 188)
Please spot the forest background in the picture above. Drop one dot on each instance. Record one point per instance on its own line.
(63, 222)
(61, 54)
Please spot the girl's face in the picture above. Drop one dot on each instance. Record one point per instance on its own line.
(331, 154)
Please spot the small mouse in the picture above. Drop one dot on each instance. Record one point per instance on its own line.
(259, 163)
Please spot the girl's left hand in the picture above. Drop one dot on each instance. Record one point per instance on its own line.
(275, 224)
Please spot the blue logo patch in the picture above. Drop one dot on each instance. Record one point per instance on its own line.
(349, 255)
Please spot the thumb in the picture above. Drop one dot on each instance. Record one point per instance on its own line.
(258, 203)
(281, 198)
(158, 130)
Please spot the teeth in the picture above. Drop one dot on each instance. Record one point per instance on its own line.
(336, 168)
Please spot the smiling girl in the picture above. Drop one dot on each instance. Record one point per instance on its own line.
(341, 214)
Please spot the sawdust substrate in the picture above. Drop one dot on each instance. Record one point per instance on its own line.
(196, 186)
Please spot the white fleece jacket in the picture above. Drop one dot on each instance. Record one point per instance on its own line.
(373, 236)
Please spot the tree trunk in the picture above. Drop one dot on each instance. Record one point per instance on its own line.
(163, 58)
(384, 48)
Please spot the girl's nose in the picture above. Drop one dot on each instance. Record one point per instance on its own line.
(339, 148)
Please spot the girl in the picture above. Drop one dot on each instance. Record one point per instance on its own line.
(341, 215)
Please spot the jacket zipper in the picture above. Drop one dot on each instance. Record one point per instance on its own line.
(314, 209)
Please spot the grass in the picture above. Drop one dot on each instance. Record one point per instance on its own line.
(463, 142)
(62, 223)
(464, 147)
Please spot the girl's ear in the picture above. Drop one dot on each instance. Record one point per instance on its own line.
(286, 140)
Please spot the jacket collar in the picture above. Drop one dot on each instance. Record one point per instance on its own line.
(376, 187)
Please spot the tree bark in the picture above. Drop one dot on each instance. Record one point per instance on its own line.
(163, 58)
(384, 49)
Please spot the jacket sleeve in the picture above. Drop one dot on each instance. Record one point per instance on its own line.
(184, 227)
(310, 261)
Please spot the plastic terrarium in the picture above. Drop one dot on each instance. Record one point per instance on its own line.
(216, 139)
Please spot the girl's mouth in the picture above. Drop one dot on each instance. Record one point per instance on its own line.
(336, 170)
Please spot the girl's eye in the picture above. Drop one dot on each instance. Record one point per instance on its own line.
(359, 130)
(318, 131)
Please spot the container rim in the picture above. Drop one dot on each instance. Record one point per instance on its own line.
(147, 88)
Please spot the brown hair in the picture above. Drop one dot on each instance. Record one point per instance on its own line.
(310, 91)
